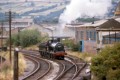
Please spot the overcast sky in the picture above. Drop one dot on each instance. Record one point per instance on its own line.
(25, 0)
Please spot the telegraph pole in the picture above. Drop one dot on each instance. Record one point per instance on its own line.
(16, 64)
(10, 18)
(1, 40)
(2, 35)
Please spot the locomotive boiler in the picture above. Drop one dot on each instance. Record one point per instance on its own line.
(52, 49)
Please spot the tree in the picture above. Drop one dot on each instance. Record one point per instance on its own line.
(29, 37)
(106, 65)
(25, 38)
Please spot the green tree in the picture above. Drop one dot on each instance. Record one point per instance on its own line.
(29, 37)
(25, 38)
(106, 65)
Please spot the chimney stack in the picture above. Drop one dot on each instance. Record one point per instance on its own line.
(93, 20)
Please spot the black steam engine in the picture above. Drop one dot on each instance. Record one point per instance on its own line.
(52, 49)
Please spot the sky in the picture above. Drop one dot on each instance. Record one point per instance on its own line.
(21, 0)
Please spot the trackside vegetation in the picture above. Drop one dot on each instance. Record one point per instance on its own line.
(106, 65)
(69, 43)
(6, 69)
(26, 38)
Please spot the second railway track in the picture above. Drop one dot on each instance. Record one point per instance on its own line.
(40, 71)
(72, 69)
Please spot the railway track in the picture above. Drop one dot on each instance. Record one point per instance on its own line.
(69, 69)
(66, 66)
(40, 70)
(36, 66)
(72, 69)
(82, 65)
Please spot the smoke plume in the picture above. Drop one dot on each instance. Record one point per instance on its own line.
(80, 8)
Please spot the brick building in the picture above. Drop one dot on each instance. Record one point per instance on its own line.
(92, 37)
(86, 36)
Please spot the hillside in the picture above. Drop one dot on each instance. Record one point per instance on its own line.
(39, 10)
(34, 9)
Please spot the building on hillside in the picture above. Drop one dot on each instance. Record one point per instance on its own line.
(19, 23)
(117, 12)
(2, 40)
(16, 25)
(3, 36)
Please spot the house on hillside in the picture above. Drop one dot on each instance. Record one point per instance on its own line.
(3, 36)
(16, 25)
(22, 22)
(117, 12)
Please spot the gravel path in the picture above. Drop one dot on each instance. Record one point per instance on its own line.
(54, 71)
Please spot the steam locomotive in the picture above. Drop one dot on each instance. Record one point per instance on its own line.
(52, 49)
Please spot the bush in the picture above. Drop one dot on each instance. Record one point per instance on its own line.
(14, 40)
(75, 47)
(106, 65)
(29, 37)
(6, 70)
(43, 38)
(70, 44)
(25, 38)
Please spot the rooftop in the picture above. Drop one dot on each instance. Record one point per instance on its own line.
(110, 24)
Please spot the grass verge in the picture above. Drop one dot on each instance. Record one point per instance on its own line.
(85, 56)
(6, 69)
(34, 47)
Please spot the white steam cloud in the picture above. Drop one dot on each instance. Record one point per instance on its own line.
(80, 8)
